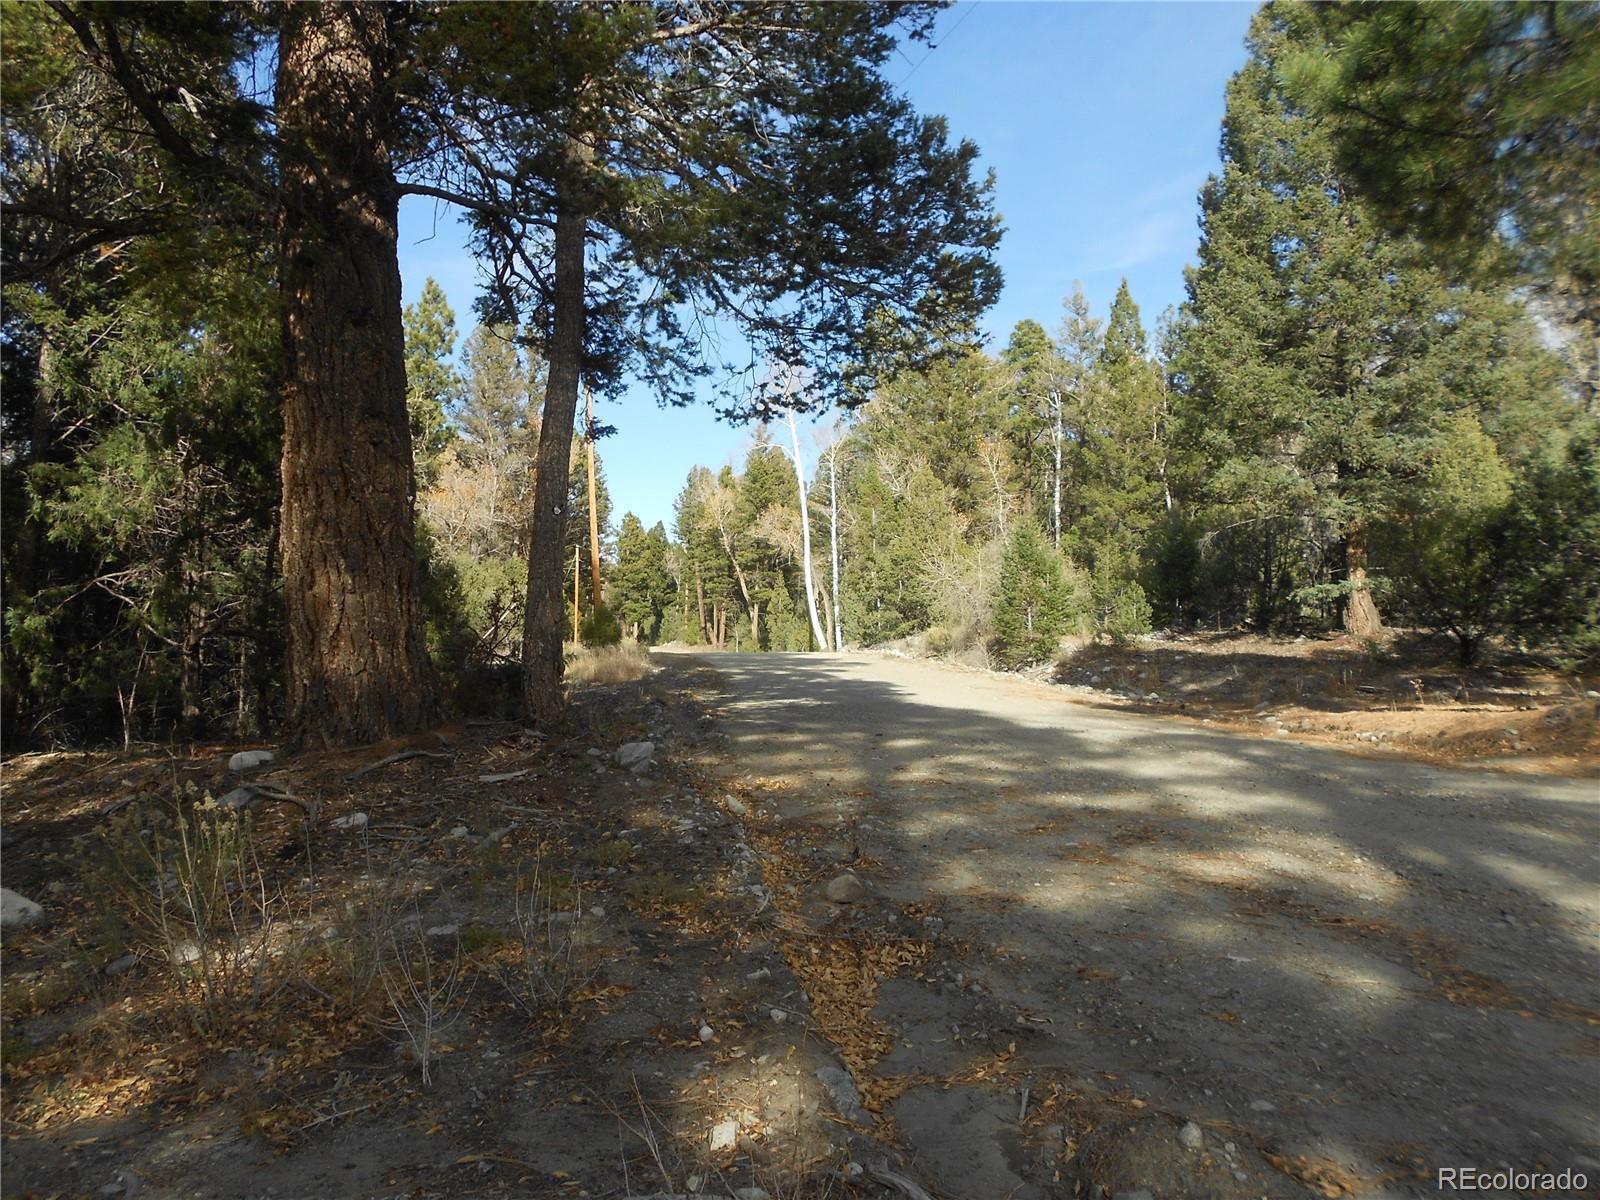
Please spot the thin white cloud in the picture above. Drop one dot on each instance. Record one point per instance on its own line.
(1151, 237)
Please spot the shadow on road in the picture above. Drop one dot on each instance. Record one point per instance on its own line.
(1387, 965)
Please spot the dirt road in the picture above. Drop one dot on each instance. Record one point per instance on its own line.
(1353, 971)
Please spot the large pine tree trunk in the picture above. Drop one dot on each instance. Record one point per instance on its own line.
(358, 666)
(1361, 618)
(541, 644)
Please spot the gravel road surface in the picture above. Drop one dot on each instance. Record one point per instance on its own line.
(1364, 969)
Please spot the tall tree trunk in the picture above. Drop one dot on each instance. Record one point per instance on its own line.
(700, 599)
(833, 539)
(1055, 505)
(358, 667)
(541, 643)
(594, 508)
(1361, 617)
(805, 537)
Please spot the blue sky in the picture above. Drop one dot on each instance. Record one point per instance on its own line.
(1100, 121)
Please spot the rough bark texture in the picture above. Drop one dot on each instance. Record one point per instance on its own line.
(541, 643)
(1361, 617)
(358, 666)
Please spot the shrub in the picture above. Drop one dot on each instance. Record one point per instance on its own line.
(608, 664)
(186, 885)
(1121, 611)
(1036, 603)
(600, 628)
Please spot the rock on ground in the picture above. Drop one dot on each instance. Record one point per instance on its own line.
(17, 910)
(630, 755)
(842, 1091)
(846, 889)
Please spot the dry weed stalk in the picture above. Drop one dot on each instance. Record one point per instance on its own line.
(552, 968)
(191, 882)
(609, 664)
(426, 995)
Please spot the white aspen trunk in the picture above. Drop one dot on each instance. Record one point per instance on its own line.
(805, 537)
(1055, 511)
(833, 539)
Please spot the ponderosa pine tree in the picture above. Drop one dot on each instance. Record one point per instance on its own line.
(1477, 128)
(319, 166)
(1321, 356)
(1034, 606)
(358, 666)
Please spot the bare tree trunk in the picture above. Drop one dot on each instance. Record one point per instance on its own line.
(833, 539)
(805, 537)
(541, 643)
(577, 581)
(358, 667)
(700, 599)
(1361, 617)
(1056, 438)
(594, 508)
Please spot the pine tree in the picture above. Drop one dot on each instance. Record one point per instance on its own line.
(850, 240)
(1035, 602)
(1321, 357)
(641, 585)
(433, 385)
(1033, 380)
(1476, 127)
(1119, 449)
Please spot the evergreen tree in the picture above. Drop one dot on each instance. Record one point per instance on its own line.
(1035, 602)
(141, 590)
(317, 167)
(1320, 357)
(433, 385)
(1477, 127)
(641, 584)
(1032, 385)
(1078, 341)
(1117, 495)
(940, 416)
(850, 239)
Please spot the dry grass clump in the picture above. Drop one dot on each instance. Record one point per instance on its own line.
(608, 664)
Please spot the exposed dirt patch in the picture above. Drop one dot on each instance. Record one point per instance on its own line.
(593, 948)
(1410, 701)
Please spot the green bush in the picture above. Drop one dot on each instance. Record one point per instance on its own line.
(1036, 604)
(600, 628)
(1121, 611)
